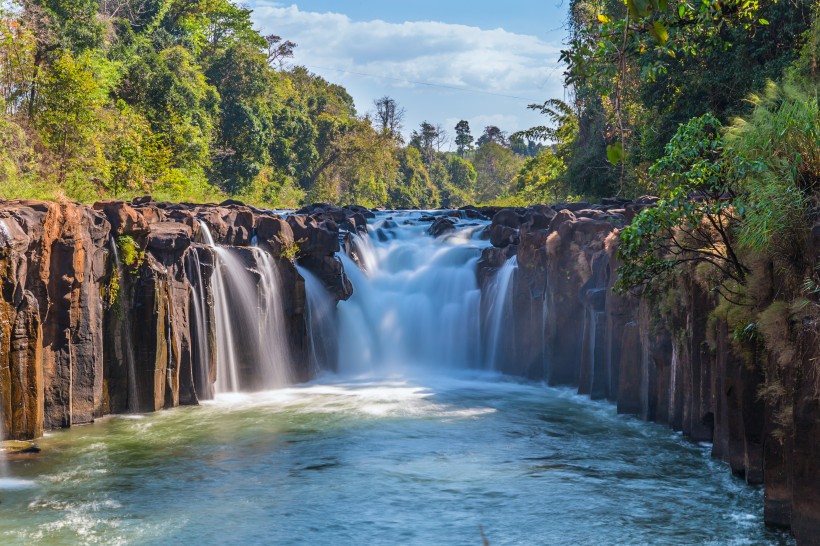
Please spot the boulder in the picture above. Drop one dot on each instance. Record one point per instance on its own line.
(317, 237)
(501, 235)
(124, 219)
(442, 226)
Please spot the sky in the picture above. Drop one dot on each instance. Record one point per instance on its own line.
(442, 61)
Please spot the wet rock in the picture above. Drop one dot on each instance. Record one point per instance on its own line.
(501, 235)
(442, 226)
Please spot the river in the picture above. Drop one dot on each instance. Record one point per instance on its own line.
(390, 461)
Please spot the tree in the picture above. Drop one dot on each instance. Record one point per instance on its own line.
(441, 138)
(459, 189)
(539, 180)
(464, 140)
(245, 131)
(496, 168)
(412, 187)
(70, 117)
(425, 140)
(492, 134)
(694, 219)
(278, 50)
(179, 103)
(389, 115)
(136, 157)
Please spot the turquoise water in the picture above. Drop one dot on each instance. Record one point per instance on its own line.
(390, 461)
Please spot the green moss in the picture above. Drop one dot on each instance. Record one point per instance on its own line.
(130, 253)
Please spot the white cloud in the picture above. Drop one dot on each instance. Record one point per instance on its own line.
(448, 54)
(398, 54)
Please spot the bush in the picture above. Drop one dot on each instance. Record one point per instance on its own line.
(782, 135)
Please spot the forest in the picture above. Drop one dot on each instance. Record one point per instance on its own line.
(185, 100)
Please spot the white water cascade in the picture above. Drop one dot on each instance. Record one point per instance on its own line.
(321, 323)
(416, 301)
(499, 311)
(273, 341)
(202, 350)
(251, 343)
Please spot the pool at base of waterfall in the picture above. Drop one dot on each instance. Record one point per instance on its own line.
(390, 460)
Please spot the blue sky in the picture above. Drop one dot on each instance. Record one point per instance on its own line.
(504, 53)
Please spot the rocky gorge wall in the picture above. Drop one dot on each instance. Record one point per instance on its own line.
(669, 357)
(110, 308)
(97, 304)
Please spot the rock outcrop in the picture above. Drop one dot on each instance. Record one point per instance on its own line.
(109, 309)
(669, 357)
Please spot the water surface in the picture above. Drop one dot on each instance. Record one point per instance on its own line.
(388, 461)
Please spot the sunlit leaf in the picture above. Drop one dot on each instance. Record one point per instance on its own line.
(659, 32)
(615, 153)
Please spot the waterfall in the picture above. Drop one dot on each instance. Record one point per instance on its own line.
(321, 323)
(273, 340)
(202, 352)
(227, 374)
(127, 335)
(416, 302)
(250, 328)
(500, 313)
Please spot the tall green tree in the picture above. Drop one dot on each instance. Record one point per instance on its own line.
(464, 139)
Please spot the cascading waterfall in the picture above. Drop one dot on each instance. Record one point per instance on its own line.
(127, 338)
(227, 374)
(202, 351)
(273, 341)
(416, 302)
(250, 336)
(499, 312)
(321, 320)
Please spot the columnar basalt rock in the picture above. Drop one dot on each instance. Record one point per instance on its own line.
(668, 358)
(83, 335)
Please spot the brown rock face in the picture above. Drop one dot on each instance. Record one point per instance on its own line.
(82, 335)
(318, 238)
(660, 357)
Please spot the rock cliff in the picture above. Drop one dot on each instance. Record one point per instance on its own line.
(109, 309)
(669, 356)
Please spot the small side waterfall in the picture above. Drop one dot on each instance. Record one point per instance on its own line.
(273, 342)
(321, 323)
(250, 336)
(499, 313)
(127, 336)
(201, 348)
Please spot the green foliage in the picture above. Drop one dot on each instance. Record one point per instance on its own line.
(496, 167)
(129, 251)
(640, 69)
(692, 222)
(782, 134)
(539, 180)
(289, 250)
(412, 187)
(71, 118)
